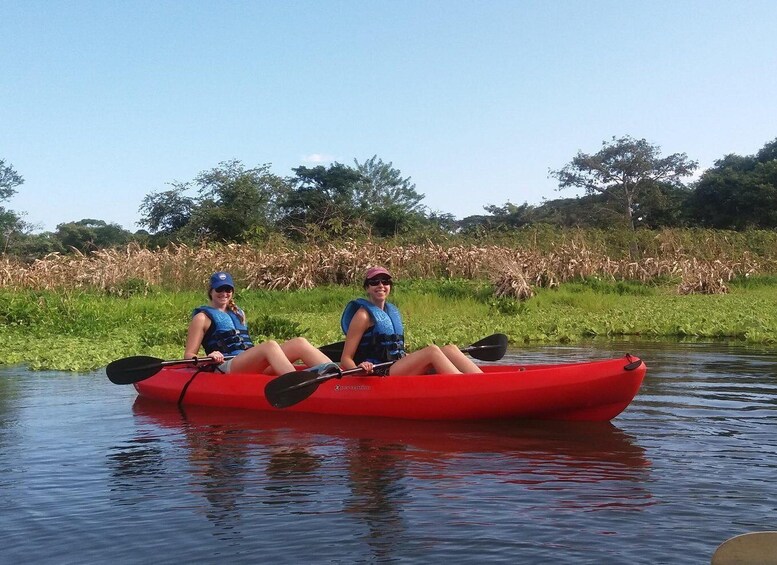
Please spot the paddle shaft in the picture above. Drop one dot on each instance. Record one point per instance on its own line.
(323, 378)
(194, 361)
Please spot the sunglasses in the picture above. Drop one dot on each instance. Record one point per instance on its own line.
(376, 282)
(224, 289)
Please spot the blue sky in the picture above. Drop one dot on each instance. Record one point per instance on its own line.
(104, 102)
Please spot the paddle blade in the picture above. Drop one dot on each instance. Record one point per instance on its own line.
(491, 348)
(133, 369)
(754, 547)
(291, 388)
(334, 350)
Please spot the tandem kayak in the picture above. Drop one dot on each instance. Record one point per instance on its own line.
(590, 391)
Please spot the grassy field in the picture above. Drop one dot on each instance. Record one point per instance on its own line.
(80, 330)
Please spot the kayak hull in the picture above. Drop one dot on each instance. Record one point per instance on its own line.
(592, 391)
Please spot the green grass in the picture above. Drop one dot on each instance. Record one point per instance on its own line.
(80, 331)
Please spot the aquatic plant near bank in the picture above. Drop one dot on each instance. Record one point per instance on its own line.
(84, 330)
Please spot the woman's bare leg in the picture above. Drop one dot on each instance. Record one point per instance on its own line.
(419, 362)
(300, 349)
(267, 357)
(462, 362)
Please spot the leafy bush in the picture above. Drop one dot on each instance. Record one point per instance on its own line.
(507, 306)
(275, 327)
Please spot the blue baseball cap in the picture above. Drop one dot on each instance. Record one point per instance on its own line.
(221, 278)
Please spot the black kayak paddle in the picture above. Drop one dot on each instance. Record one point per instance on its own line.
(140, 367)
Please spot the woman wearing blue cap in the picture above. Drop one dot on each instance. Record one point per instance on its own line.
(220, 328)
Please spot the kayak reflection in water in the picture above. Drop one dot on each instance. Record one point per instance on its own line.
(220, 328)
(374, 334)
(377, 480)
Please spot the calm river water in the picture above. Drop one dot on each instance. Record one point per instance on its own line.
(90, 475)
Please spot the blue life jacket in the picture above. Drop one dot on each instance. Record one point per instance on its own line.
(384, 341)
(226, 332)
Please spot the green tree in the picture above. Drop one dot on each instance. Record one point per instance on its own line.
(768, 153)
(625, 170)
(324, 200)
(236, 204)
(662, 206)
(31, 246)
(9, 180)
(11, 225)
(442, 222)
(391, 202)
(500, 218)
(167, 212)
(233, 204)
(590, 211)
(88, 235)
(12, 229)
(738, 192)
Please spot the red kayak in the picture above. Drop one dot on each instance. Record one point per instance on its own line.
(592, 391)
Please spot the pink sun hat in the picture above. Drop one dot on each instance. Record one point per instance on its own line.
(373, 272)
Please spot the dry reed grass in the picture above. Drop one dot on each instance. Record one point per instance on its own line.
(510, 282)
(283, 266)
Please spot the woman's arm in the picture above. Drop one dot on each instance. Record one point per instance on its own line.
(197, 328)
(360, 323)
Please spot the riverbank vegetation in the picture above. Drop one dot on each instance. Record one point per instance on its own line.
(80, 329)
(692, 261)
(640, 254)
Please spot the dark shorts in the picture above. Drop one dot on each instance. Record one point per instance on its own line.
(382, 371)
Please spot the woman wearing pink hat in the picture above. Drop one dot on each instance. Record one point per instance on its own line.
(220, 328)
(374, 333)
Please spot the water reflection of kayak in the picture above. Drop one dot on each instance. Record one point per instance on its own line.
(593, 391)
(596, 447)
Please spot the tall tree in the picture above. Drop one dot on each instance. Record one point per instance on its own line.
(738, 192)
(233, 203)
(9, 180)
(442, 222)
(625, 170)
(88, 235)
(167, 212)
(236, 203)
(501, 218)
(12, 229)
(325, 199)
(10, 223)
(392, 203)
